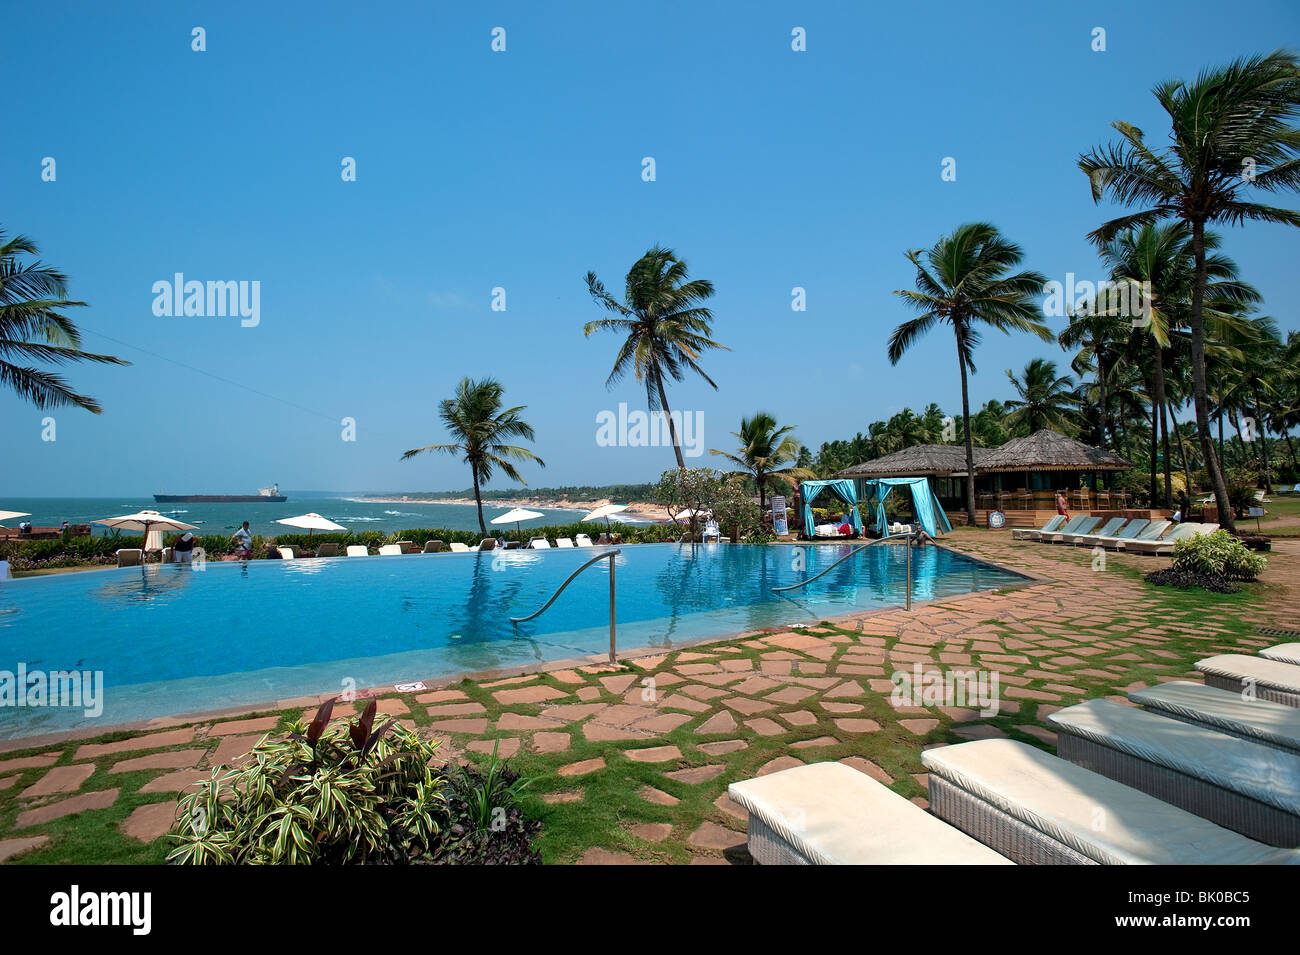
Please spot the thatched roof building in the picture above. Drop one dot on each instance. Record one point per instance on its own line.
(1048, 451)
(922, 460)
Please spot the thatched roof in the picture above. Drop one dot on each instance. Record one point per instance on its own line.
(922, 460)
(1048, 451)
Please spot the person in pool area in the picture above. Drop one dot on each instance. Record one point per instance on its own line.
(244, 539)
(1062, 505)
(183, 549)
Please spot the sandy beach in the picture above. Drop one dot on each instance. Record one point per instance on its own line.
(645, 510)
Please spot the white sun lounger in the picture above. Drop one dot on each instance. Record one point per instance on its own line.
(563, 542)
(1073, 526)
(1240, 785)
(539, 543)
(1036, 808)
(1088, 528)
(583, 540)
(1165, 545)
(1128, 532)
(1266, 679)
(129, 557)
(358, 550)
(831, 814)
(1032, 533)
(1283, 653)
(1261, 721)
(456, 547)
(390, 550)
(286, 553)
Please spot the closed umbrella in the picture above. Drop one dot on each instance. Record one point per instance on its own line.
(515, 516)
(311, 522)
(150, 522)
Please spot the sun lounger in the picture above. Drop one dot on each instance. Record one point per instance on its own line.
(129, 557)
(512, 545)
(327, 550)
(1089, 526)
(582, 540)
(539, 543)
(458, 548)
(1072, 526)
(1106, 530)
(1165, 545)
(408, 547)
(1283, 653)
(1032, 533)
(1240, 785)
(1039, 809)
(831, 814)
(1265, 679)
(1261, 721)
(1128, 532)
(358, 550)
(286, 553)
(487, 543)
(433, 547)
(390, 550)
(1149, 533)
(563, 542)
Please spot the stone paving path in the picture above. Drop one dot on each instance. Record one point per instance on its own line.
(632, 762)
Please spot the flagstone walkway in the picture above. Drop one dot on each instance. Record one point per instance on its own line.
(632, 762)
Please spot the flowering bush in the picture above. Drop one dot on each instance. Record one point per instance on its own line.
(1220, 554)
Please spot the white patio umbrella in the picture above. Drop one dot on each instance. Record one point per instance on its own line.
(311, 522)
(150, 522)
(515, 516)
(605, 510)
(10, 515)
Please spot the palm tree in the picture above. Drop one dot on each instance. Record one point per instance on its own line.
(1046, 399)
(475, 418)
(1096, 337)
(1231, 131)
(32, 328)
(764, 448)
(665, 325)
(964, 283)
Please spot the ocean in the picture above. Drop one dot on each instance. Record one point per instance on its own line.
(352, 513)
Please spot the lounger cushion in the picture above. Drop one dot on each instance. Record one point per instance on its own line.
(834, 815)
(1225, 711)
(1062, 800)
(1239, 666)
(1283, 653)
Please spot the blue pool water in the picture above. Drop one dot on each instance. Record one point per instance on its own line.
(173, 639)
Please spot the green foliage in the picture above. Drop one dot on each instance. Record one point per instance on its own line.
(319, 795)
(1220, 554)
(616, 493)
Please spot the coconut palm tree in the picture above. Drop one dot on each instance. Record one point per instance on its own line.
(666, 327)
(1096, 338)
(475, 418)
(33, 329)
(1232, 134)
(764, 448)
(1046, 400)
(964, 283)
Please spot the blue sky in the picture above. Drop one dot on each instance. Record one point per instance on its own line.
(522, 170)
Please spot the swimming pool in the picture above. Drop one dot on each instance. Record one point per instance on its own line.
(174, 639)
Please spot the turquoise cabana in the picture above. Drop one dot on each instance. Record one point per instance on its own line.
(924, 504)
(842, 489)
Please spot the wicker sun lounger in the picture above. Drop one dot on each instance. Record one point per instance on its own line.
(1243, 786)
(1265, 679)
(1283, 653)
(831, 814)
(1038, 809)
(1261, 721)
(1032, 533)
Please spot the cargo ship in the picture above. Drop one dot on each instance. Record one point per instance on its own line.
(266, 495)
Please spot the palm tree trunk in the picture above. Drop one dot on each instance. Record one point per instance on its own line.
(965, 423)
(1101, 389)
(1291, 448)
(672, 428)
(478, 499)
(1263, 443)
(1199, 389)
(1155, 447)
(1164, 423)
(1182, 453)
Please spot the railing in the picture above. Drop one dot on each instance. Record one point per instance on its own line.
(859, 550)
(610, 555)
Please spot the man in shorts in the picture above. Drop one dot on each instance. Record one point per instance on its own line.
(244, 541)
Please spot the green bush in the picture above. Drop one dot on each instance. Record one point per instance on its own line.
(1219, 553)
(359, 795)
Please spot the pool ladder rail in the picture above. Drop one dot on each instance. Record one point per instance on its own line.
(608, 555)
(859, 550)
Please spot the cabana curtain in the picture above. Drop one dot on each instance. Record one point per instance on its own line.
(842, 489)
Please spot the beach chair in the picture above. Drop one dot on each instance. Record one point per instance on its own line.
(1069, 527)
(1151, 532)
(327, 550)
(1266, 679)
(563, 542)
(1086, 525)
(1282, 653)
(433, 547)
(487, 543)
(582, 540)
(1106, 530)
(1261, 721)
(1126, 532)
(1165, 545)
(286, 553)
(512, 545)
(1032, 533)
(408, 547)
(390, 550)
(539, 543)
(456, 547)
(130, 557)
(358, 550)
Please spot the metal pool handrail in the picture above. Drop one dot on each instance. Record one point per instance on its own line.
(859, 550)
(610, 555)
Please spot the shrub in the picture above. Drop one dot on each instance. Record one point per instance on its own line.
(1219, 554)
(1187, 579)
(487, 826)
(318, 795)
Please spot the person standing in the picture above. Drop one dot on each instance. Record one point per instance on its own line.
(244, 541)
(183, 549)
(1062, 505)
